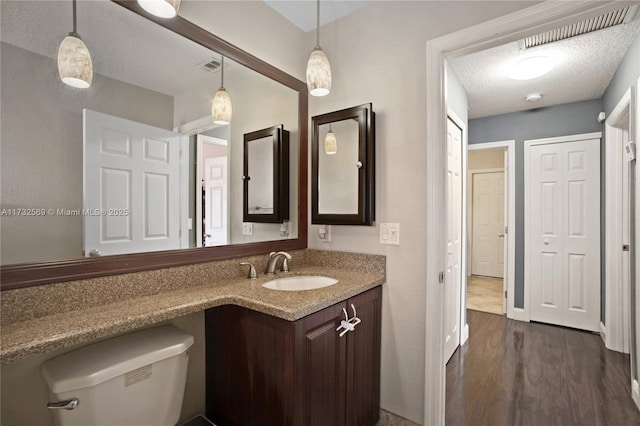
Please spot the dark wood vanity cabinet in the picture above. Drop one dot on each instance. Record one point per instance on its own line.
(263, 370)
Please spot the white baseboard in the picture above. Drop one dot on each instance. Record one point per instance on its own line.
(635, 393)
(464, 334)
(603, 333)
(518, 314)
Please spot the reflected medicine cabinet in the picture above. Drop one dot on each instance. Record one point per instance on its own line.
(266, 175)
(343, 175)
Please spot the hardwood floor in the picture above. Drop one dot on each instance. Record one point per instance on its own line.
(484, 294)
(517, 373)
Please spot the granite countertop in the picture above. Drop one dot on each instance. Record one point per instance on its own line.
(58, 331)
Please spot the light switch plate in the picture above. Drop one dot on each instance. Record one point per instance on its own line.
(247, 229)
(390, 233)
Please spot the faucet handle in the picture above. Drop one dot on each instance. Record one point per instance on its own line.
(252, 270)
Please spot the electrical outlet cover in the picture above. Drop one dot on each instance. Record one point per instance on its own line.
(247, 229)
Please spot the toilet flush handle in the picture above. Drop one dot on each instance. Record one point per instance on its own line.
(69, 404)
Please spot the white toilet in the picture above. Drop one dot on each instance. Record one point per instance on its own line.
(137, 379)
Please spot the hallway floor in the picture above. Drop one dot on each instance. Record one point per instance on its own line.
(484, 294)
(517, 373)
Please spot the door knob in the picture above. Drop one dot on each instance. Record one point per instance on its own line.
(546, 242)
(94, 253)
(501, 235)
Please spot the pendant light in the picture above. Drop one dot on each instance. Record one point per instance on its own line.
(318, 67)
(161, 8)
(221, 108)
(330, 142)
(74, 60)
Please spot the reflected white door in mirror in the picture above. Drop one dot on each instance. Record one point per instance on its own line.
(131, 186)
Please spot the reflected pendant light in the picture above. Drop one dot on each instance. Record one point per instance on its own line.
(318, 67)
(161, 8)
(330, 142)
(74, 60)
(221, 106)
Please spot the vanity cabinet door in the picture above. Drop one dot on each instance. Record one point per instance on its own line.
(320, 368)
(363, 360)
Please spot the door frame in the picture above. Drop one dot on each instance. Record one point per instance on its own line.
(613, 333)
(526, 311)
(510, 265)
(508, 28)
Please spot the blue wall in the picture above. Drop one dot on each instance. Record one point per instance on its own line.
(558, 120)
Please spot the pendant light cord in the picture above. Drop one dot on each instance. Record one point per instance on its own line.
(74, 18)
(222, 73)
(317, 24)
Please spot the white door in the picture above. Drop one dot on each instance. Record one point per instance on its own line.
(131, 186)
(488, 224)
(563, 236)
(452, 277)
(215, 216)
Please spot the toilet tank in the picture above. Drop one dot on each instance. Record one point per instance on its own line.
(135, 379)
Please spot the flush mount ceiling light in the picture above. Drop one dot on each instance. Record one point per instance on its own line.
(529, 68)
(533, 97)
(221, 108)
(74, 60)
(161, 8)
(318, 67)
(330, 142)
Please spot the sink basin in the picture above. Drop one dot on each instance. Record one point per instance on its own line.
(297, 283)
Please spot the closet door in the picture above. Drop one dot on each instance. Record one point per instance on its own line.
(562, 203)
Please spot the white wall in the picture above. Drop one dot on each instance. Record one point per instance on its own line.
(486, 159)
(378, 55)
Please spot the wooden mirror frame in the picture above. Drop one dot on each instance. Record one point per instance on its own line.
(32, 274)
(366, 214)
(280, 190)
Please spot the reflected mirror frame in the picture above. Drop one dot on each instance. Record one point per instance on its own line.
(33, 274)
(365, 117)
(280, 146)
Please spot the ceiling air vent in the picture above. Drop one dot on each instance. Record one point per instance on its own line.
(209, 65)
(611, 19)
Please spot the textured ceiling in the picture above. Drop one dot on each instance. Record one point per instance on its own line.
(123, 45)
(584, 68)
(302, 13)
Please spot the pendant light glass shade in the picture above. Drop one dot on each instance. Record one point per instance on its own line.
(318, 73)
(318, 67)
(221, 109)
(330, 143)
(74, 62)
(161, 8)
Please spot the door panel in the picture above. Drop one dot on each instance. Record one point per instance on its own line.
(488, 224)
(454, 229)
(564, 229)
(132, 184)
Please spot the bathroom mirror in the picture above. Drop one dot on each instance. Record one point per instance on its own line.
(152, 72)
(266, 175)
(343, 167)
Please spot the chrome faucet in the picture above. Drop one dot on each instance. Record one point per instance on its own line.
(273, 259)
